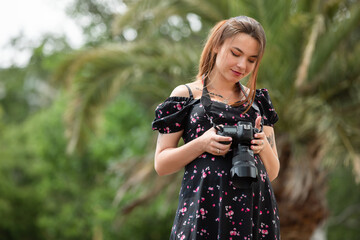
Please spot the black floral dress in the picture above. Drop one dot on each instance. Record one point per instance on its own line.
(209, 206)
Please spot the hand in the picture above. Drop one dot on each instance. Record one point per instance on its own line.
(260, 141)
(211, 142)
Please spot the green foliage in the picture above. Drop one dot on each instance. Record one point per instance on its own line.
(25, 90)
(94, 17)
(123, 131)
(148, 222)
(344, 205)
(13, 100)
(46, 194)
(111, 91)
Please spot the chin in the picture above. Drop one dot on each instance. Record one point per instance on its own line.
(237, 79)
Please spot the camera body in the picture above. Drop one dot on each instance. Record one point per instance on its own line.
(243, 171)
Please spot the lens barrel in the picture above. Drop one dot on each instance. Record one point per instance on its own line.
(243, 171)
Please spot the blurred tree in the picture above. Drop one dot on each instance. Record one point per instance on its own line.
(13, 102)
(344, 203)
(309, 66)
(16, 187)
(95, 17)
(45, 194)
(25, 90)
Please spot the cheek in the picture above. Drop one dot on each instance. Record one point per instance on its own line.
(222, 61)
(250, 67)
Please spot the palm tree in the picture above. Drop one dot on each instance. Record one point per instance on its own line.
(310, 66)
(319, 106)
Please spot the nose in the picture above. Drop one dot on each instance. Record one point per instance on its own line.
(241, 64)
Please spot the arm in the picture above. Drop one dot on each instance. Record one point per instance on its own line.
(169, 158)
(267, 151)
(269, 154)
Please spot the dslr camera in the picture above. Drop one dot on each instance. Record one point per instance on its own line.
(243, 171)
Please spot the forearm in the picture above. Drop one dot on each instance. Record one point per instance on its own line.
(171, 160)
(270, 160)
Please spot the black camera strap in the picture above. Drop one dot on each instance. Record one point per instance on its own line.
(206, 102)
(255, 106)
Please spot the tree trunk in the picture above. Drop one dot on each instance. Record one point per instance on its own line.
(300, 191)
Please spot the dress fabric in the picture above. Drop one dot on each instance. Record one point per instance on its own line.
(209, 206)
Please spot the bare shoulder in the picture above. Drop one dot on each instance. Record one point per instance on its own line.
(183, 91)
(196, 88)
(180, 91)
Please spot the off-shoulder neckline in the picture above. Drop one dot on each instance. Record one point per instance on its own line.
(190, 98)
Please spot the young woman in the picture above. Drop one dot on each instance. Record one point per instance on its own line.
(211, 206)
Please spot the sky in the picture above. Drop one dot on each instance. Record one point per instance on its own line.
(32, 19)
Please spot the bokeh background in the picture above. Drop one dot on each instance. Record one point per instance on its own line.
(76, 145)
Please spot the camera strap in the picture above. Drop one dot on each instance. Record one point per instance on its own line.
(255, 106)
(207, 103)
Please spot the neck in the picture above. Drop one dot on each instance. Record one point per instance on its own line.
(221, 91)
(215, 81)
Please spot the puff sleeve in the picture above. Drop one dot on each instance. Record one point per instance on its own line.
(171, 114)
(269, 114)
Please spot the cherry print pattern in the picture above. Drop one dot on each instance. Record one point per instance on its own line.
(209, 206)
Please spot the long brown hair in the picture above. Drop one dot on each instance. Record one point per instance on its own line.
(226, 29)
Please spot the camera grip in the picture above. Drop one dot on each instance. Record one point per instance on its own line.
(221, 133)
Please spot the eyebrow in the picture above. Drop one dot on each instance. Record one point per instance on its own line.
(254, 56)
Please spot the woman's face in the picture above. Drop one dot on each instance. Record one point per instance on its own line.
(236, 57)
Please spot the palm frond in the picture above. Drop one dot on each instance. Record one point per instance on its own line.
(318, 125)
(141, 182)
(337, 33)
(97, 75)
(303, 69)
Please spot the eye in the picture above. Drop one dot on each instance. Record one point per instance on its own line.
(252, 59)
(234, 54)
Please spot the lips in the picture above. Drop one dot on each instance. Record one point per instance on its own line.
(237, 73)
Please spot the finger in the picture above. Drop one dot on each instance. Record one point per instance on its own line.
(257, 142)
(258, 123)
(220, 152)
(260, 135)
(217, 151)
(221, 146)
(213, 129)
(218, 127)
(256, 149)
(223, 139)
